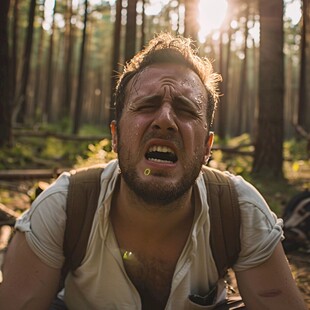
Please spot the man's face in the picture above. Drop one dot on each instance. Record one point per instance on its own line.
(162, 135)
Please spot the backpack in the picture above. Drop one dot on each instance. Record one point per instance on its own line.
(82, 201)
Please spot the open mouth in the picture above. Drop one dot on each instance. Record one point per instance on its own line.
(161, 154)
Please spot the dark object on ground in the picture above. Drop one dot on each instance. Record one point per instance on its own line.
(297, 223)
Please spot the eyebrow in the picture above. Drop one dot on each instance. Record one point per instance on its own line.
(189, 102)
(181, 98)
(146, 98)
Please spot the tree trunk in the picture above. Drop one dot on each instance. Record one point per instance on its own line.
(20, 103)
(50, 72)
(268, 155)
(143, 26)
(131, 30)
(37, 109)
(5, 106)
(116, 55)
(191, 26)
(80, 90)
(68, 37)
(14, 49)
(302, 100)
(242, 104)
(224, 86)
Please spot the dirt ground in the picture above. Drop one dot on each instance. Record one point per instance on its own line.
(300, 266)
(17, 198)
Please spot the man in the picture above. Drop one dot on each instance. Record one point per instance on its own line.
(148, 247)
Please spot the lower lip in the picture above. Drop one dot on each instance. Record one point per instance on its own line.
(157, 164)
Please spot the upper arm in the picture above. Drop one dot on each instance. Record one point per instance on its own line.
(28, 283)
(270, 285)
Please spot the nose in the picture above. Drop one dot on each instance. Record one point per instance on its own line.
(165, 118)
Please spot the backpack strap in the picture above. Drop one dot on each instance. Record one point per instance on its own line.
(224, 214)
(82, 201)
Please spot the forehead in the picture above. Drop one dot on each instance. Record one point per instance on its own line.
(154, 78)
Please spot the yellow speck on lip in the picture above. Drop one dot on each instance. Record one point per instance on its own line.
(147, 171)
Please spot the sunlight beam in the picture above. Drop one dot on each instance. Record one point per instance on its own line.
(211, 16)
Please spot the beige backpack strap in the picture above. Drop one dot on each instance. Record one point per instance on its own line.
(82, 201)
(224, 214)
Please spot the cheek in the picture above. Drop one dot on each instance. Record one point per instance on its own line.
(131, 128)
(194, 134)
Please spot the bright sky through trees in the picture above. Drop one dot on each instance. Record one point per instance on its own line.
(211, 13)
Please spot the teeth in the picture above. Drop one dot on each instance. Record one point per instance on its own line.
(162, 149)
(160, 160)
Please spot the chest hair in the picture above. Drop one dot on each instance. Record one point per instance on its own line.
(152, 277)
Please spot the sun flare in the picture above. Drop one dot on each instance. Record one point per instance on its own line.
(211, 16)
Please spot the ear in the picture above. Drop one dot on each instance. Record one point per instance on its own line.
(113, 128)
(209, 144)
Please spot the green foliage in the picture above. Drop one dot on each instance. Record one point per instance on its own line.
(277, 193)
(295, 150)
(98, 153)
(237, 164)
(18, 156)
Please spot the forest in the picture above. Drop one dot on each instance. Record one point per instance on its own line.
(59, 64)
(60, 60)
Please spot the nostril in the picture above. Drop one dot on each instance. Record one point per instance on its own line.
(165, 123)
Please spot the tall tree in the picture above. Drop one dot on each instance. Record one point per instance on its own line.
(116, 55)
(67, 94)
(5, 107)
(224, 61)
(302, 104)
(191, 26)
(268, 155)
(20, 101)
(80, 89)
(242, 104)
(50, 71)
(14, 48)
(37, 107)
(131, 30)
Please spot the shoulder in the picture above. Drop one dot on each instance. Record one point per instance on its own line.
(251, 200)
(44, 223)
(261, 229)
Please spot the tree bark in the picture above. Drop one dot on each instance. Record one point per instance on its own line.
(191, 26)
(242, 104)
(224, 86)
(5, 106)
(116, 56)
(14, 48)
(80, 90)
(37, 109)
(143, 26)
(20, 103)
(67, 95)
(302, 100)
(131, 30)
(50, 72)
(268, 155)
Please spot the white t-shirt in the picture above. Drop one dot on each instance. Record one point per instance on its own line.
(101, 281)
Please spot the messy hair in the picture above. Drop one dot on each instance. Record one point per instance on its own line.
(165, 48)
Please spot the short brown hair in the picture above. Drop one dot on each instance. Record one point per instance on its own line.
(165, 48)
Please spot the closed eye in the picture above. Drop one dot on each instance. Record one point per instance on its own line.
(186, 108)
(147, 104)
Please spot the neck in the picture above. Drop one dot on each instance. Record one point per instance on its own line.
(133, 210)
